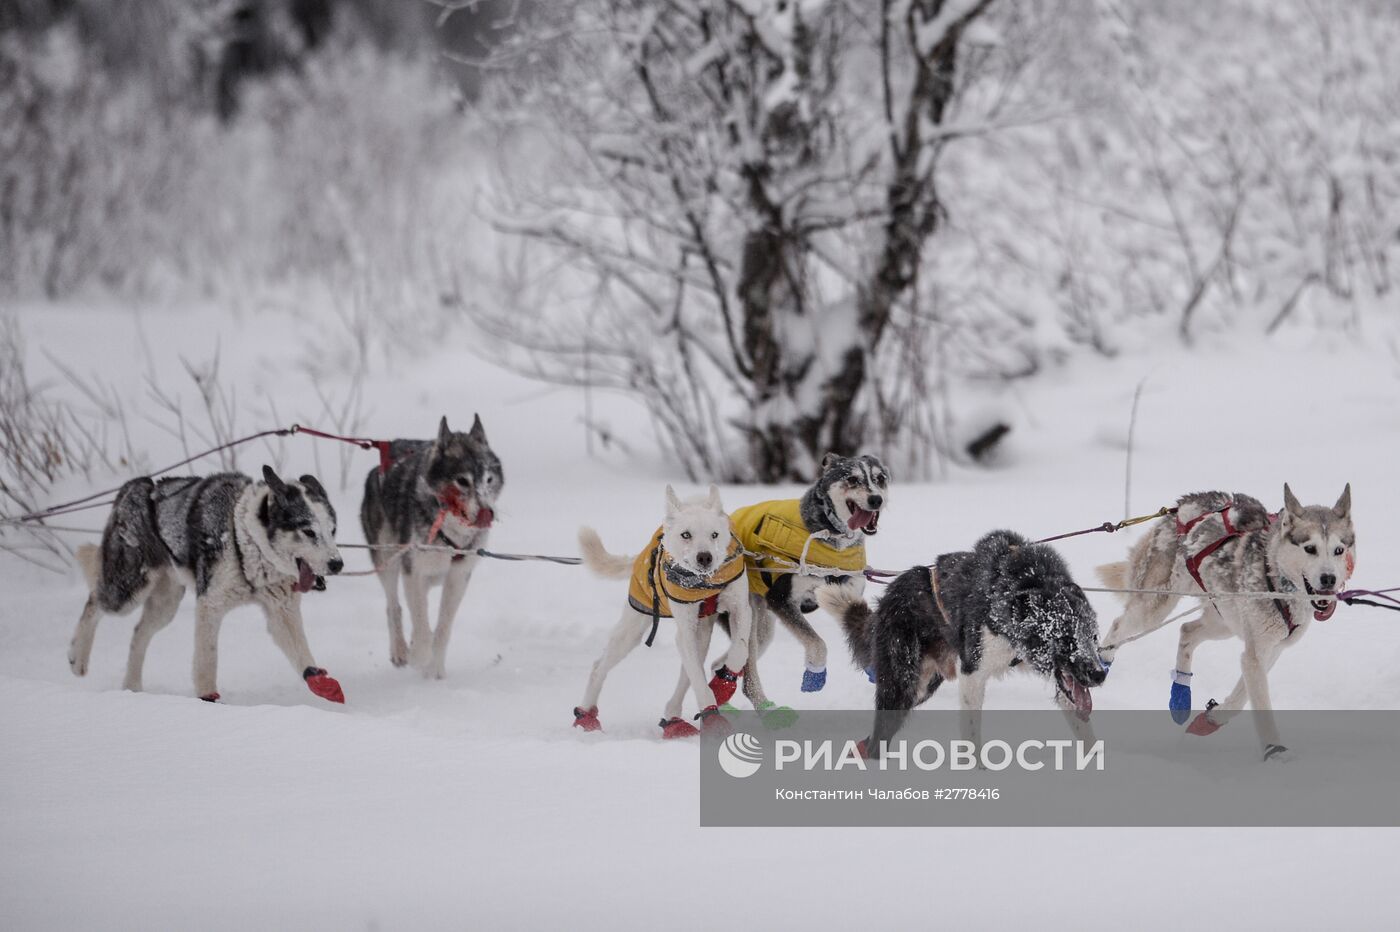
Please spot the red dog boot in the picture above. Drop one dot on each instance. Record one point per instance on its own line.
(712, 723)
(863, 748)
(587, 720)
(677, 728)
(723, 684)
(212, 697)
(323, 685)
(1202, 725)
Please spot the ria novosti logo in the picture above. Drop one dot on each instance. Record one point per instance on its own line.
(740, 755)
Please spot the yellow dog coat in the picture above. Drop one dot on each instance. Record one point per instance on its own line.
(775, 530)
(657, 581)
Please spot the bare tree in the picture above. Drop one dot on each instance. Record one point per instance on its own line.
(743, 197)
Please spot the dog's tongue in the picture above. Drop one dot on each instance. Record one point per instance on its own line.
(1326, 613)
(1079, 694)
(859, 519)
(484, 517)
(306, 579)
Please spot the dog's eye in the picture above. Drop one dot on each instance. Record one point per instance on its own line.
(1339, 551)
(310, 534)
(464, 482)
(1310, 550)
(714, 535)
(685, 535)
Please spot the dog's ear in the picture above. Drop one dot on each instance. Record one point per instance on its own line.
(1343, 507)
(314, 488)
(1290, 502)
(713, 501)
(828, 461)
(444, 432)
(274, 482)
(478, 432)
(673, 504)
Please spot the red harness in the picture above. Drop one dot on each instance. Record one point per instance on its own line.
(1194, 561)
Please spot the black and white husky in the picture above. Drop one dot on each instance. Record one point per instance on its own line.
(437, 492)
(235, 541)
(1006, 603)
(841, 509)
(1218, 544)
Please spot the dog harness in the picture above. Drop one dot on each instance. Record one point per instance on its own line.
(1194, 561)
(774, 533)
(657, 581)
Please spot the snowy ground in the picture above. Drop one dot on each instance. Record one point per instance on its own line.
(472, 802)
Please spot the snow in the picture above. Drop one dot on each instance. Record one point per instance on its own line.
(471, 802)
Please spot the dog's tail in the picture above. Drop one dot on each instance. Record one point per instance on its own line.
(1149, 566)
(90, 562)
(597, 558)
(1113, 575)
(846, 604)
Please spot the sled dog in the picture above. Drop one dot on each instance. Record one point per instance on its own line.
(1220, 543)
(691, 572)
(831, 521)
(440, 492)
(231, 539)
(1005, 603)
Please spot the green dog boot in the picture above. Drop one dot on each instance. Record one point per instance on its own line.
(776, 717)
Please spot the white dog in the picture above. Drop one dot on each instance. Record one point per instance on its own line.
(691, 571)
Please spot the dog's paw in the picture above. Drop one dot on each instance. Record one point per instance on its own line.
(77, 665)
(712, 722)
(724, 684)
(677, 728)
(1202, 725)
(209, 697)
(813, 680)
(1180, 703)
(131, 686)
(323, 685)
(398, 654)
(587, 719)
(775, 717)
(1277, 752)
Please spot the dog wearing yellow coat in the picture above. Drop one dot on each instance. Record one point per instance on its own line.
(691, 572)
(825, 530)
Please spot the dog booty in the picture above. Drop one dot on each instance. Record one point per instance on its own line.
(587, 719)
(1180, 702)
(870, 674)
(775, 717)
(677, 728)
(724, 684)
(813, 679)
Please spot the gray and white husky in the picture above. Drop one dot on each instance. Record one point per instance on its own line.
(231, 539)
(1220, 544)
(1006, 603)
(843, 507)
(439, 492)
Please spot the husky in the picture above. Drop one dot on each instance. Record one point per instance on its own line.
(830, 522)
(1005, 603)
(1218, 544)
(231, 539)
(438, 492)
(691, 572)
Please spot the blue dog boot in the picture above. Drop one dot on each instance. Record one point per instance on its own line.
(1106, 664)
(870, 674)
(813, 679)
(1180, 703)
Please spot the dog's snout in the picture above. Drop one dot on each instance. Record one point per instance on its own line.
(336, 565)
(704, 558)
(876, 501)
(1327, 580)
